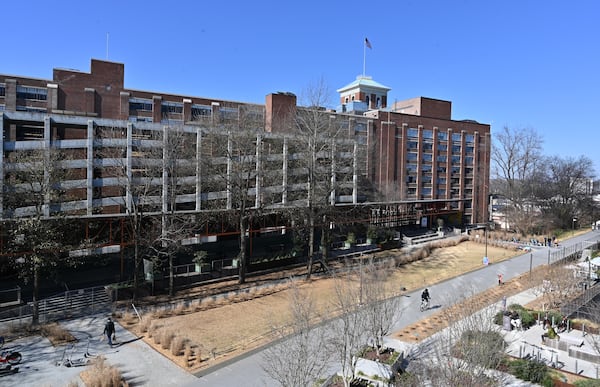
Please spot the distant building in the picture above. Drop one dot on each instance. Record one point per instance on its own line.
(415, 154)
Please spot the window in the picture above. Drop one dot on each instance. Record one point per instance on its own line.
(455, 159)
(442, 158)
(140, 119)
(411, 156)
(443, 147)
(412, 145)
(426, 179)
(469, 139)
(455, 170)
(443, 136)
(441, 170)
(456, 137)
(2, 89)
(441, 192)
(171, 107)
(360, 127)
(426, 191)
(29, 92)
(469, 150)
(426, 157)
(201, 111)
(455, 148)
(228, 113)
(469, 160)
(441, 181)
(140, 104)
(427, 146)
(426, 168)
(412, 132)
(428, 134)
(411, 168)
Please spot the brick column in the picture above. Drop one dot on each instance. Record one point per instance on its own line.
(10, 96)
(156, 108)
(187, 110)
(52, 99)
(124, 105)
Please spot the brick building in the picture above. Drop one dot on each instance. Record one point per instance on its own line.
(413, 152)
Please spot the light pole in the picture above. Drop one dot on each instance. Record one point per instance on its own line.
(574, 220)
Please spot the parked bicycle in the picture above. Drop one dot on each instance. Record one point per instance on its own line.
(8, 357)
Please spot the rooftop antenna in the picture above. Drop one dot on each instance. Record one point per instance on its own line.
(107, 35)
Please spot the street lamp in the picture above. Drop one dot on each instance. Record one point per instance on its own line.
(574, 220)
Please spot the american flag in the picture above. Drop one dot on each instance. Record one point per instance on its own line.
(367, 43)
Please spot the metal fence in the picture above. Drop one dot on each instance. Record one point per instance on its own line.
(72, 303)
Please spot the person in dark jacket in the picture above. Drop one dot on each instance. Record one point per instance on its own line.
(109, 330)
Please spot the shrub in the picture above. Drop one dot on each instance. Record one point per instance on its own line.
(101, 374)
(587, 383)
(166, 339)
(530, 370)
(177, 345)
(145, 324)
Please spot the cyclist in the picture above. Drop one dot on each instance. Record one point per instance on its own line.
(425, 299)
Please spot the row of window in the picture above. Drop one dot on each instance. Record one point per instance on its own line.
(442, 136)
(412, 157)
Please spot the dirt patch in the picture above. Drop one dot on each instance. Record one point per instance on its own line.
(220, 332)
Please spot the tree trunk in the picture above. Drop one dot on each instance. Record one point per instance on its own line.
(35, 318)
(242, 255)
(311, 244)
(171, 273)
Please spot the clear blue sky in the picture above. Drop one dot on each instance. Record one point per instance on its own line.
(515, 63)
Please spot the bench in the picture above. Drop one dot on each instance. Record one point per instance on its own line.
(563, 343)
(584, 353)
(571, 340)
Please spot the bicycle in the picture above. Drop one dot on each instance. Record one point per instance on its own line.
(424, 304)
(8, 358)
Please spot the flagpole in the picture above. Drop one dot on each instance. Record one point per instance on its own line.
(364, 56)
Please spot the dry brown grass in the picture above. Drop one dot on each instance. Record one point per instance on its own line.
(229, 326)
(52, 331)
(102, 374)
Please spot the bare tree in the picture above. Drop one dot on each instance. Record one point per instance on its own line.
(318, 138)
(33, 188)
(348, 334)
(128, 159)
(301, 358)
(382, 307)
(516, 155)
(178, 181)
(564, 190)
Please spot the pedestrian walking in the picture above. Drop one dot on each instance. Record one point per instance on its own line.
(500, 279)
(109, 331)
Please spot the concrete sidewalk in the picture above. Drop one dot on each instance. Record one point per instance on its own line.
(138, 362)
